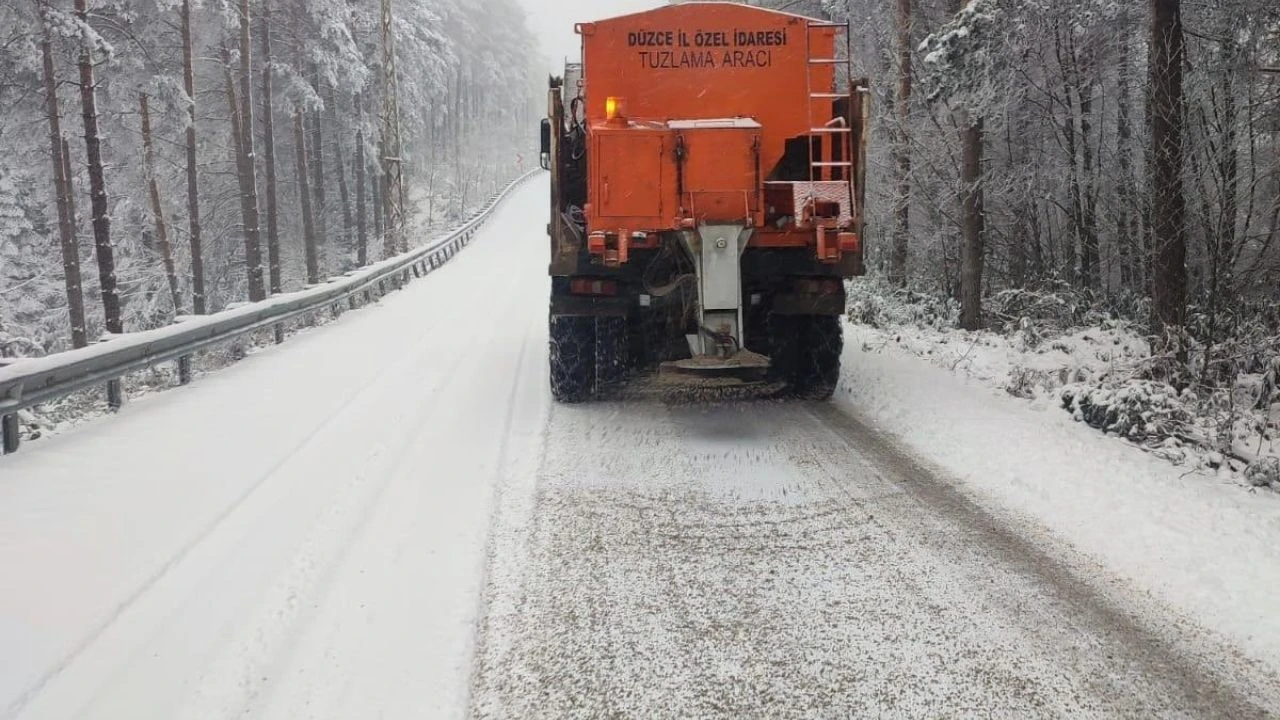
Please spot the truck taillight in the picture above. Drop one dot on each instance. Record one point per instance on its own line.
(588, 286)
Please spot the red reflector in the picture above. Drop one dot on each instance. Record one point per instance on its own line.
(596, 243)
(588, 286)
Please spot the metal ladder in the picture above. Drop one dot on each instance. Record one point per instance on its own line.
(819, 166)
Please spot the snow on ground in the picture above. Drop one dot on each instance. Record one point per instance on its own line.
(301, 534)
(1201, 545)
(1008, 362)
(1056, 350)
(387, 518)
(777, 560)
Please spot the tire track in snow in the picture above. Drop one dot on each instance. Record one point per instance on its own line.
(741, 561)
(1207, 676)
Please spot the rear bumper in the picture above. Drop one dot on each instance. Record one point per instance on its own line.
(587, 306)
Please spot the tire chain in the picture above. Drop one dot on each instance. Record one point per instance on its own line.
(572, 358)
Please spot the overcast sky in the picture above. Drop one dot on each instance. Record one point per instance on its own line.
(552, 22)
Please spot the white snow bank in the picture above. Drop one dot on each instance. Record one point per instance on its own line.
(1202, 546)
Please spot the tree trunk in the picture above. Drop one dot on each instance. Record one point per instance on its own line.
(1229, 171)
(1019, 241)
(321, 203)
(1067, 62)
(973, 216)
(157, 208)
(1126, 221)
(375, 197)
(269, 155)
(97, 180)
(73, 226)
(249, 185)
(362, 235)
(193, 190)
(973, 224)
(245, 176)
(1090, 257)
(384, 186)
(1168, 204)
(902, 150)
(304, 195)
(66, 222)
(343, 195)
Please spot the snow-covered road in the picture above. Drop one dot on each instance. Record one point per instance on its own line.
(387, 517)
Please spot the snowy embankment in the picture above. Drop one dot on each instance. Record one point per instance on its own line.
(1197, 542)
(428, 234)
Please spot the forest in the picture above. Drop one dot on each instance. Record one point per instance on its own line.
(1047, 171)
(172, 157)
(1045, 174)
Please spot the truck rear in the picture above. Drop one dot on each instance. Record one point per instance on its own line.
(707, 180)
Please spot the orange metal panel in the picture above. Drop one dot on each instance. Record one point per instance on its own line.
(721, 174)
(699, 61)
(628, 174)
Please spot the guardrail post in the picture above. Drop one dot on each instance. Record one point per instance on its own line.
(115, 395)
(184, 370)
(351, 301)
(9, 425)
(278, 329)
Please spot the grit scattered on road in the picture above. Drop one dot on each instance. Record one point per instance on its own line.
(778, 560)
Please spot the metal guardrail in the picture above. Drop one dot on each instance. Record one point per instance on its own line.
(28, 382)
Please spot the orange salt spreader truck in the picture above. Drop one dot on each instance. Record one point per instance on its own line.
(707, 169)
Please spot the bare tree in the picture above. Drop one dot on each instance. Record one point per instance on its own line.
(269, 154)
(343, 195)
(902, 150)
(1168, 204)
(376, 184)
(304, 195)
(362, 234)
(320, 204)
(66, 222)
(242, 139)
(248, 160)
(157, 208)
(198, 301)
(1127, 214)
(97, 180)
(973, 223)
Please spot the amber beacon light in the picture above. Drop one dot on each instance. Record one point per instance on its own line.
(613, 108)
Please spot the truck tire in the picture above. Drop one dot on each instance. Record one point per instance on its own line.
(573, 358)
(611, 352)
(817, 370)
